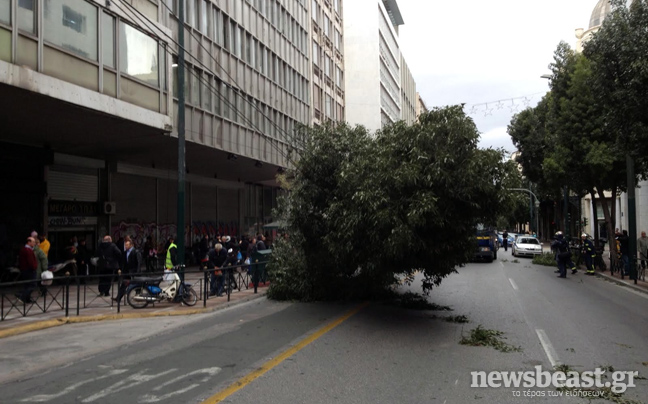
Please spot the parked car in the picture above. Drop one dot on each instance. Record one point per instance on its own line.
(526, 246)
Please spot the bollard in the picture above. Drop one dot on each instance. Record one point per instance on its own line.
(255, 275)
(67, 294)
(205, 288)
(119, 282)
(228, 280)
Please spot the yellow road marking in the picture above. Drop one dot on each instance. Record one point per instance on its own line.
(255, 374)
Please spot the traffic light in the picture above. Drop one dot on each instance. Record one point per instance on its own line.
(584, 221)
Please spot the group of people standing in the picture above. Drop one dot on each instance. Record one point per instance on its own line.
(227, 251)
(111, 258)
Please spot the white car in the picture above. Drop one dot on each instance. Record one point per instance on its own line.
(526, 245)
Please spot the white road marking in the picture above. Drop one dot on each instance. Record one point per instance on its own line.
(151, 398)
(41, 398)
(548, 348)
(456, 382)
(513, 284)
(131, 381)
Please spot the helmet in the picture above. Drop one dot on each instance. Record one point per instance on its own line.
(559, 233)
(584, 235)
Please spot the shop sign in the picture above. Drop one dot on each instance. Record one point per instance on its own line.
(72, 208)
(67, 221)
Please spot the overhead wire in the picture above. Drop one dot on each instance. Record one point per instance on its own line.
(217, 93)
(214, 91)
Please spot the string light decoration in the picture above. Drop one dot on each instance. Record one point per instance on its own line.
(514, 105)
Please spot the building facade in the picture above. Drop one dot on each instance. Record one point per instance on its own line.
(89, 142)
(326, 37)
(372, 63)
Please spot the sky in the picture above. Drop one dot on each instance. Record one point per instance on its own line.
(487, 54)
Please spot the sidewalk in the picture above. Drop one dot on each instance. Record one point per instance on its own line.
(101, 309)
(641, 286)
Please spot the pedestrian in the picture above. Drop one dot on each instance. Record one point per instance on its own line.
(71, 254)
(624, 248)
(131, 265)
(244, 245)
(642, 246)
(107, 264)
(83, 259)
(171, 255)
(260, 244)
(44, 243)
(28, 265)
(562, 254)
(217, 258)
(150, 253)
(589, 253)
(505, 240)
(41, 259)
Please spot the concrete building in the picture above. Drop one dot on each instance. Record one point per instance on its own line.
(89, 114)
(599, 13)
(420, 105)
(327, 73)
(409, 96)
(373, 63)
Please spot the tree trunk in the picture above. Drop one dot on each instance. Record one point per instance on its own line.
(610, 215)
(594, 217)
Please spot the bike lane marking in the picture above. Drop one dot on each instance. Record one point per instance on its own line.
(255, 374)
(47, 397)
(151, 398)
(131, 381)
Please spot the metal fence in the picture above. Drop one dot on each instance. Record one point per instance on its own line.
(70, 294)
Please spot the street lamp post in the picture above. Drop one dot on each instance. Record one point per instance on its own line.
(537, 204)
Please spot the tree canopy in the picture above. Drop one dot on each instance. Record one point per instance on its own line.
(365, 209)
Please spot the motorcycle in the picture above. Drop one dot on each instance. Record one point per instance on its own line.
(144, 290)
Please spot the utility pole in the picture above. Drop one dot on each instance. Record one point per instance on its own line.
(566, 210)
(632, 217)
(182, 171)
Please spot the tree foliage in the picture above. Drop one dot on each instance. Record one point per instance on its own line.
(363, 210)
(594, 115)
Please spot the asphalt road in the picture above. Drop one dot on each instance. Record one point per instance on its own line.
(380, 354)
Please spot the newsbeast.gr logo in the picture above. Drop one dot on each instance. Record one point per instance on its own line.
(621, 380)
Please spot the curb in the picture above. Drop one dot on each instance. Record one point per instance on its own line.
(41, 325)
(621, 283)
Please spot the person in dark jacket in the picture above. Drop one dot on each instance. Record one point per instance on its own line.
(217, 258)
(108, 264)
(27, 264)
(561, 247)
(624, 243)
(131, 265)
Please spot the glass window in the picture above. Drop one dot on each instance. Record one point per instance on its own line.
(196, 84)
(196, 14)
(226, 33)
(108, 39)
(238, 49)
(72, 26)
(207, 92)
(218, 30)
(5, 11)
(27, 15)
(203, 17)
(174, 75)
(138, 54)
(315, 54)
